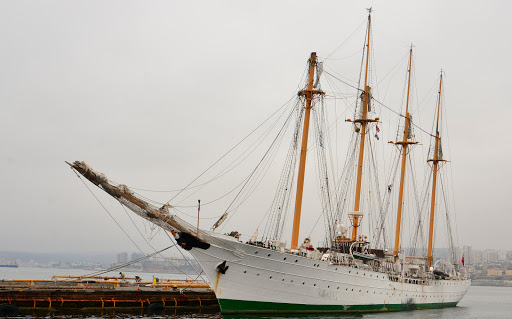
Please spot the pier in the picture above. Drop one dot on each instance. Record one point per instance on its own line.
(105, 293)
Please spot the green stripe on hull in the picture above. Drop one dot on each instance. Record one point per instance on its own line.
(228, 306)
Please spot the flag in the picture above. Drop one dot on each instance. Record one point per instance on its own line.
(376, 136)
(462, 260)
(356, 128)
(378, 129)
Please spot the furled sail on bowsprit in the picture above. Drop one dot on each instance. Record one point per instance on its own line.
(158, 216)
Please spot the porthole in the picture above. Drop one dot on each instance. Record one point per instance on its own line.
(270, 277)
(296, 260)
(282, 279)
(245, 271)
(303, 283)
(257, 274)
(328, 286)
(284, 258)
(336, 269)
(314, 285)
(338, 288)
(318, 265)
(291, 280)
(268, 255)
(255, 252)
(349, 271)
(314, 265)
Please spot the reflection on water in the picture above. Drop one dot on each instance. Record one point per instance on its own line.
(143, 313)
(294, 316)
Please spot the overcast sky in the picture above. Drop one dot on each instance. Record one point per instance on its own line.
(153, 92)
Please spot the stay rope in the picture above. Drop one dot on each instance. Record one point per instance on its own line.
(130, 238)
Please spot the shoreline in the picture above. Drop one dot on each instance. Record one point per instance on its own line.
(491, 283)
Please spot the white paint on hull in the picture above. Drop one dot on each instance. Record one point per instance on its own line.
(259, 274)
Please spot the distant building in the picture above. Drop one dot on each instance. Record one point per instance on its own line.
(136, 256)
(467, 250)
(122, 258)
(476, 258)
(494, 272)
(490, 256)
(508, 272)
(502, 255)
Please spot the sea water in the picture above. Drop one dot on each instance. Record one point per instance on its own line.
(47, 273)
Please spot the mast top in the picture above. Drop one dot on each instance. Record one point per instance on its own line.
(439, 101)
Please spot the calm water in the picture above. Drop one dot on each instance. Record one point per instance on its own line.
(47, 273)
(479, 302)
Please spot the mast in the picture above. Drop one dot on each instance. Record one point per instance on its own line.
(355, 218)
(309, 95)
(405, 142)
(363, 121)
(436, 161)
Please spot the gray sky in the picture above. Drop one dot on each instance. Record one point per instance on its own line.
(153, 92)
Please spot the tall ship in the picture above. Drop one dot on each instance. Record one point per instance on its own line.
(350, 271)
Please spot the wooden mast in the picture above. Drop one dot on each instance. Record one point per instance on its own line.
(405, 142)
(363, 121)
(355, 218)
(436, 161)
(308, 94)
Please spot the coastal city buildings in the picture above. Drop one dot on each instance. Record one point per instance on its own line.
(488, 264)
(488, 267)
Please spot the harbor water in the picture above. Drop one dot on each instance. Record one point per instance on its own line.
(47, 273)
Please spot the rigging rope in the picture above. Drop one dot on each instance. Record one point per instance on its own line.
(129, 237)
(172, 240)
(229, 151)
(352, 86)
(226, 170)
(131, 262)
(275, 223)
(248, 179)
(108, 212)
(346, 40)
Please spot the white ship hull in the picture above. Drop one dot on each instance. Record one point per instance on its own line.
(264, 280)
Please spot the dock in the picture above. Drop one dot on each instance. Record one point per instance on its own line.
(104, 293)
